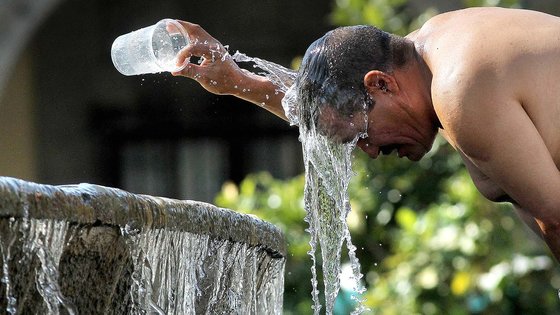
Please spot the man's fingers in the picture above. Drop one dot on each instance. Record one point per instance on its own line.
(190, 51)
(194, 29)
(191, 70)
(206, 50)
(172, 28)
(196, 33)
(201, 45)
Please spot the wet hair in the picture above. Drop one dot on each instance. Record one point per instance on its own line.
(334, 66)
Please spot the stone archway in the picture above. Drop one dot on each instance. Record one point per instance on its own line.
(18, 21)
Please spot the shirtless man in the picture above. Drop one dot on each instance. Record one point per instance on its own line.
(486, 78)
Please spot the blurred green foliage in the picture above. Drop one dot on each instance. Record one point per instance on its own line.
(492, 3)
(427, 241)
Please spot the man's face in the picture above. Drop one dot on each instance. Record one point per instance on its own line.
(388, 131)
(339, 128)
(381, 131)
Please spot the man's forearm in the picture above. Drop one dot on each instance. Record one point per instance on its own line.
(553, 242)
(551, 235)
(528, 219)
(261, 91)
(218, 73)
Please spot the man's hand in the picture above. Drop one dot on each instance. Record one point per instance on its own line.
(216, 71)
(219, 74)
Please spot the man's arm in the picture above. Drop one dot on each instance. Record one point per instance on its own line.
(510, 151)
(520, 177)
(483, 183)
(494, 193)
(496, 134)
(529, 220)
(219, 74)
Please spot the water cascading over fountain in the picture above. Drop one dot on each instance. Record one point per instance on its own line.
(91, 249)
(328, 170)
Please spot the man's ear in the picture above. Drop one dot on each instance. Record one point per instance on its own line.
(377, 81)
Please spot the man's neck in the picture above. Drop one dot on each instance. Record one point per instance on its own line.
(418, 78)
(425, 75)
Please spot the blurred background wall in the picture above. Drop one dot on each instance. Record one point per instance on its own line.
(67, 116)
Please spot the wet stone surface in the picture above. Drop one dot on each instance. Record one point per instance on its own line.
(89, 249)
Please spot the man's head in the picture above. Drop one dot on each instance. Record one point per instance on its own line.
(344, 75)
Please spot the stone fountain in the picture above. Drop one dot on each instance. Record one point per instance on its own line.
(88, 249)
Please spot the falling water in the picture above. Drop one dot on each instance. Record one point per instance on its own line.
(227, 275)
(328, 171)
(91, 249)
(282, 77)
(33, 248)
(327, 205)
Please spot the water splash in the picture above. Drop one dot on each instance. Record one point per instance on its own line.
(281, 76)
(328, 171)
(131, 254)
(221, 270)
(33, 250)
(6, 244)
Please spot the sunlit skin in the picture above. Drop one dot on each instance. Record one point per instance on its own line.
(377, 136)
(401, 121)
(487, 78)
(339, 128)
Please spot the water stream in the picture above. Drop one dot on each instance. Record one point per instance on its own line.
(282, 77)
(144, 254)
(328, 170)
(95, 250)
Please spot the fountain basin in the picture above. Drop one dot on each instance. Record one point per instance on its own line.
(93, 249)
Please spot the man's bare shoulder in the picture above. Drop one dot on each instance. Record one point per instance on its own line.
(490, 35)
(465, 106)
(480, 57)
(464, 21)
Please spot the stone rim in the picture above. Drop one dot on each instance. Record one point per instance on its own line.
(100, 205)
